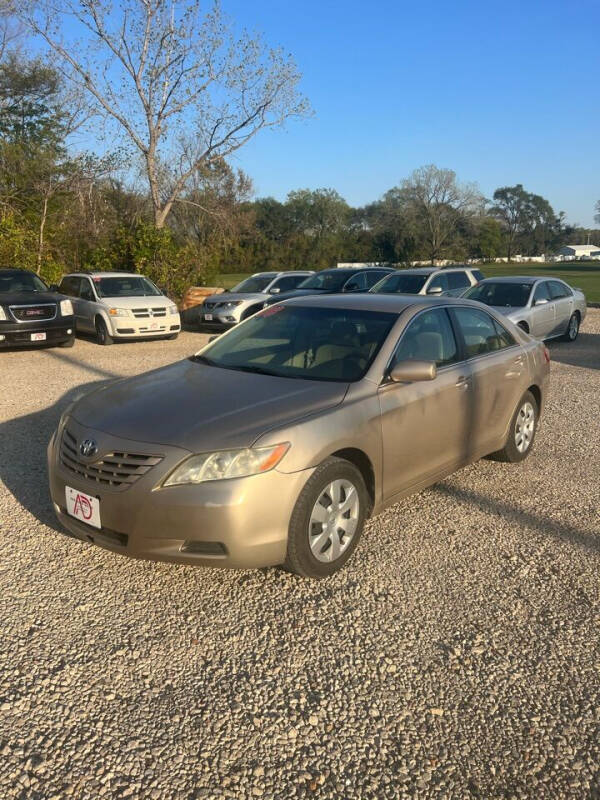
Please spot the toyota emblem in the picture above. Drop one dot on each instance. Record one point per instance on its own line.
(88, 448)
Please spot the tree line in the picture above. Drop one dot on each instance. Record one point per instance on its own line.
(175, 92)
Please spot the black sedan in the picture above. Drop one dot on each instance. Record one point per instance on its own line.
(31, 313)
(334, 281)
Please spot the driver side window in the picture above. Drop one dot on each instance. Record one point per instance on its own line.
(429, 337)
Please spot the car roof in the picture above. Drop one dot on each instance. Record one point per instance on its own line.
(16, 271)
(394, 303)
(530, 279)
(104, 275)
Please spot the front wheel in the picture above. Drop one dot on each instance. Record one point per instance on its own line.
(572, 331)
(521, 434)
(69, 342)
(103, 337)
(327, 520)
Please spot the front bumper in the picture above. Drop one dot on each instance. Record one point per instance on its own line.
(144, 327)
(15, 334)
(238, 523)
(219, 319)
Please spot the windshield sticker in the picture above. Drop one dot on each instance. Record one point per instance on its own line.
(270, 310)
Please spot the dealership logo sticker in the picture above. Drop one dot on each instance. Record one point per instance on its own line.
(83, 507)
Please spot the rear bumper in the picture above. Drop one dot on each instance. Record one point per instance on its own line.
(239, 523)
(14, 334)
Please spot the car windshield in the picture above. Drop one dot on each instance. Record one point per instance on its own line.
(257, 283)
(134, 286)
(21, 282)
(500, 293)
(324, 344)
(400, 283)
(328, 281)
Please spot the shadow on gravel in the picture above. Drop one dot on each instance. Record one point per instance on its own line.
(527, 519)
(82, 365)
(583, 352)
(23, 443)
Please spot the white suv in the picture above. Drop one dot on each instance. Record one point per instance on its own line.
(248, 297)
(120, 305)
(448, 281)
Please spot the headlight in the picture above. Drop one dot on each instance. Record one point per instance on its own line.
(227, 464)
(119, 312)
(172, 310)
(3, 316)
(232, 304)
(66, 308)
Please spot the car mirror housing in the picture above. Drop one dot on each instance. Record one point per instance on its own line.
(413, 371)
(540, 302)
(434, 290)
(54, 287)
(274, 290)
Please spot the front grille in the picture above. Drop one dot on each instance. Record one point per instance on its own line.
(118, 470)
(144, 313)
(34, 313)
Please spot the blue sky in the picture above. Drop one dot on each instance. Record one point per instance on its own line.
(501, 92)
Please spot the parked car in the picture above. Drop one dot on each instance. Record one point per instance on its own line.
(31, 313)
(275, 442)
(226, 310)
(335, 280)
(120, 305)
(544, 307)
(450, 281)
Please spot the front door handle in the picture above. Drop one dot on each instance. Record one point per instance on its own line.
(462, 382)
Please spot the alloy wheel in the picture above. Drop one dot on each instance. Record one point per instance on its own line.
(573, 327)
(333, 520)
(524, 427)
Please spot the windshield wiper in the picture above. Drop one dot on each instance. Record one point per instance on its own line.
(251, 368)
(203, 360)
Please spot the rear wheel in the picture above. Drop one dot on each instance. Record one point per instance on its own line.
(103, 337)
(521, 434)
(327, 520)
(572, 331)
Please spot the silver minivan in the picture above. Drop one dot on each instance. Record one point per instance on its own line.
(120, 305)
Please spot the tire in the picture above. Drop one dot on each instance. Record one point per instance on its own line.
(172, 337)
(521, 433)
(572, 331)
(334, 476)
(103, 337)
(69, 343)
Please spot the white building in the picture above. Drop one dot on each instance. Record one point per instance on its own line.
(580, 251)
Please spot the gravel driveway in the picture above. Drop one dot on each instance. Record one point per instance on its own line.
(457, 656)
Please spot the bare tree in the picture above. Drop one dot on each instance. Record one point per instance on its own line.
(439, 202)
(175, 81)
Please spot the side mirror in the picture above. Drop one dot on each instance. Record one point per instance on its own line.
(54, 287)
(274, 290)
(413, 371)
(435, 290)
(540, 302)
(212, 338)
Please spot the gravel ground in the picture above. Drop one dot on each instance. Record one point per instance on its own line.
(457, 656)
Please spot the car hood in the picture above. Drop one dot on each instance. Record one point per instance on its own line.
(509, 311)
(202, 408)
(147, 301)
(29, 298)
(275, 298)
(227, 297)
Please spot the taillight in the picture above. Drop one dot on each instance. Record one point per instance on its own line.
(546, 354)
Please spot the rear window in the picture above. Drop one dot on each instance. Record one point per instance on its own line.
(478, 274)
(501, 293)
(458, 280)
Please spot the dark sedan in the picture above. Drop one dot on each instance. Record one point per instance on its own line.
(335, 281)
(32, 314)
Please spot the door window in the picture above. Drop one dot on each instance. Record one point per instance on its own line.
(86, 292)
(356, 283)
(558, 290)
(458, 280)
(481, 333)
(440, 280)
(70, 286)
(541, 292)
(288, 282)
(373, 276)
(429, 337)
(477, 274)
